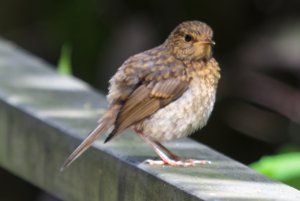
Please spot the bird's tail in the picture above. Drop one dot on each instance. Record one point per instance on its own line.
(105, 123)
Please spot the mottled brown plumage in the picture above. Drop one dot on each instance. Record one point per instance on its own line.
(163, 93)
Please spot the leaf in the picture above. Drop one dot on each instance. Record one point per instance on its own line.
(64, 62)
(284, 167)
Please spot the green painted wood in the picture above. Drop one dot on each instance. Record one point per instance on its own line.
(44, 116)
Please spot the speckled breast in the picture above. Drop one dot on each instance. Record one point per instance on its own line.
(183, 116)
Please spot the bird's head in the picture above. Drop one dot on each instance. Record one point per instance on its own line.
(191, 40)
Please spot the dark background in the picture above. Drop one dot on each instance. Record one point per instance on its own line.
(257, 45)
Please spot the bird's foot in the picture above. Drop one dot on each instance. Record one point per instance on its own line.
(178, 163)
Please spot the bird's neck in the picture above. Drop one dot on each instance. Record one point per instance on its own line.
(208, 70)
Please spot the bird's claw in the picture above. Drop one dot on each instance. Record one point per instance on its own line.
(178, 163)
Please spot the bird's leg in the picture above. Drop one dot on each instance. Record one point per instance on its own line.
(171, 154)
(180, 160)
(165, 160)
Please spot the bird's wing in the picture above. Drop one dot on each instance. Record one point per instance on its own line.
(146, 100)
(141, 68)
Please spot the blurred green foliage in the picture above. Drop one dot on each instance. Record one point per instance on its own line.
(64, 66)
(284, 166)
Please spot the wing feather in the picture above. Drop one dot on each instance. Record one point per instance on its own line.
(146, 100)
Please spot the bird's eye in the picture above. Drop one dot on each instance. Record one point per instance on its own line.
(188, 38)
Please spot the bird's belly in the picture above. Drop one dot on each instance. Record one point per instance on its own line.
(183, 116)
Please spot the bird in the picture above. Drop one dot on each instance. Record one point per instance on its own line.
(163, 93)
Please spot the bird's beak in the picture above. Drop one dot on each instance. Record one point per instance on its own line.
(206, 41)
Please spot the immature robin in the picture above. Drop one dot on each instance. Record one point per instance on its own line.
(164, 93)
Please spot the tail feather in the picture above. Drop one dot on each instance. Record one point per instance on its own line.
(111, 135)
(84, 145)
(106, 123)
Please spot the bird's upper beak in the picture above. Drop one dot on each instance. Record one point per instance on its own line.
(207, 41)
(204, 42)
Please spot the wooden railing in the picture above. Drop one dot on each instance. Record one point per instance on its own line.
(44, 116)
